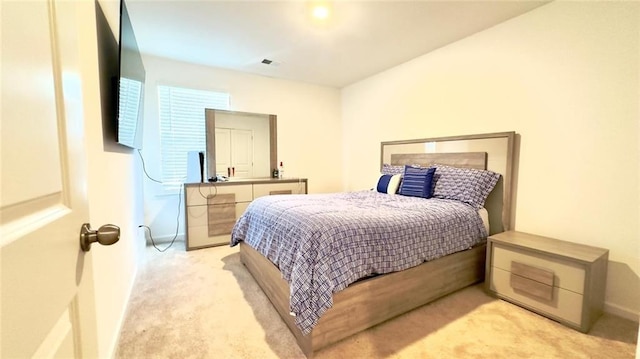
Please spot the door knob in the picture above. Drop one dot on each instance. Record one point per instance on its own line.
(105, 235)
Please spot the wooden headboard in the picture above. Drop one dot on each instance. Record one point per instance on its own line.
(492, 151)
(477, 160)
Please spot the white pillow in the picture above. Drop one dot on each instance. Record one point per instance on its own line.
(394, 184)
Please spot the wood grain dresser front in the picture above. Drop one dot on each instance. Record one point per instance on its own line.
(211, 209)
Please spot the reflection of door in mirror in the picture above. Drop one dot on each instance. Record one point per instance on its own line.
(234, 150)
(241, 140)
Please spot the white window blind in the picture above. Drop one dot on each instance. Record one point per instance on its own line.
(128, 110)
(182, 128)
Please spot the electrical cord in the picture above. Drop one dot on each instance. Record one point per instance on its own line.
(210, 195)
(153, 243)
(144, 168)
(175, 236)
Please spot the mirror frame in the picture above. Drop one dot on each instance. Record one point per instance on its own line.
(507, 216)
(210, 125)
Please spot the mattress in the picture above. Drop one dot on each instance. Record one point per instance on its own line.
(323, 242)
(484, 215)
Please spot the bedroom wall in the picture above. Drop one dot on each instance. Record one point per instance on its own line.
(309, 128)
(565, 77)
(114, 189)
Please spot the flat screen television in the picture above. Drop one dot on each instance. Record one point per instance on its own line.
(129, 86)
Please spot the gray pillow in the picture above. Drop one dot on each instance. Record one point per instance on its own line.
(466, 185)
(388, 169)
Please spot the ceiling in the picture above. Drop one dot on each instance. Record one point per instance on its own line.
(357, 40)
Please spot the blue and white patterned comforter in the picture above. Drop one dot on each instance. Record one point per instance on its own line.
(323, 242)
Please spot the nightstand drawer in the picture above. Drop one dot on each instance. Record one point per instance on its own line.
(562, 280)
(564, 304)
(566, 275)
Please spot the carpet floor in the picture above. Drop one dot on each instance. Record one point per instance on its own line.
(205, 304)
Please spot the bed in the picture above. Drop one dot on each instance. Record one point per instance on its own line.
(379, 293)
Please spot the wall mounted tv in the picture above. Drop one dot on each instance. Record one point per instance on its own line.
(129, 86)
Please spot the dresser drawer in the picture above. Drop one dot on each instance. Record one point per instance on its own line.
(566, 275)
(198, 215)
(199, 237)
(266, 189)
(198, 227)
(197, 195)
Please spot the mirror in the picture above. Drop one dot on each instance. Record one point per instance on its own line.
(499, 149)
(240, 144)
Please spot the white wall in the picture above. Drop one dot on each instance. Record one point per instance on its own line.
(565, 77)
(115, 196)
(309, 128)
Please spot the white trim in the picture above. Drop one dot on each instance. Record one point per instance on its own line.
(621, 311)
(166, 238)
(113, 347)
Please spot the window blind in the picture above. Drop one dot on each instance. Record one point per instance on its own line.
(182, 128)
(128, 109)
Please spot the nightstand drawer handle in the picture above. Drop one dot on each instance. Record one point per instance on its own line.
(531, 280)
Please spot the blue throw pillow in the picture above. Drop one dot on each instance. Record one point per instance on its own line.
(388, 184)
(417, 181)
(383, 183)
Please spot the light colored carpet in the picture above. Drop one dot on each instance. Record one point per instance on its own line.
(204, 304)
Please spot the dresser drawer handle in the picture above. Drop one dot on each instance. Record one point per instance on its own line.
(284, 191)
(221, 214)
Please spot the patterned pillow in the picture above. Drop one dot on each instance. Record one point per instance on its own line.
(417, 181)
(388, 169)
(388, 184)
(466, 185)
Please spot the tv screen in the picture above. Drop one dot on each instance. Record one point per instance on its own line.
(130, 85)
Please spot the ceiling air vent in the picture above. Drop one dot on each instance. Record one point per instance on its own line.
(270, 62)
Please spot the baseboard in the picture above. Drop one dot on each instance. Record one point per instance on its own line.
(165, 239)
(116, 341)
(621, 311)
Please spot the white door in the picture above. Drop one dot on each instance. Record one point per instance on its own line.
(223, 151)
(234, 152)
(242, 152)
(47, 291)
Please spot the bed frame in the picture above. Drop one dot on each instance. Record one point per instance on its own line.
(368, 302)
(371, 301)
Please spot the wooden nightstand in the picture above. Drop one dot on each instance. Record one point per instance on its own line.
(561, 280)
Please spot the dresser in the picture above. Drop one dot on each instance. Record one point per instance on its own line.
(211, 209)
(561, 280)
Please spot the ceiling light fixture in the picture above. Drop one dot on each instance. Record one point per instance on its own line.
(320, 11)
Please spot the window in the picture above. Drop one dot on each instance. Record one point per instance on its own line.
(182, 128)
